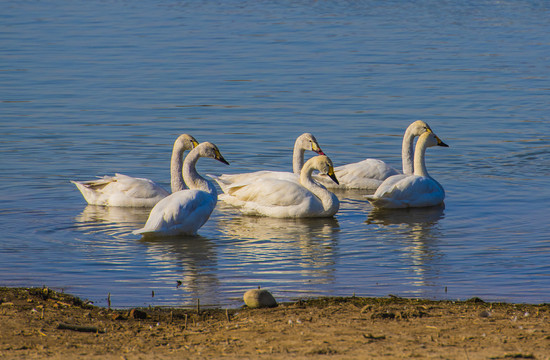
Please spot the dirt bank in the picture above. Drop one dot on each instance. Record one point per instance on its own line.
(40, 323)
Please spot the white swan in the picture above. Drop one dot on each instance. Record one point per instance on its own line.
(286, 198)
(417, 190)
(370, 173)
(185, 211)
(304, 142)
(123, 190)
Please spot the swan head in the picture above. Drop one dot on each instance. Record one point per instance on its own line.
(207, 149)
(325, 167)
(419, 127)
(307, 141)
(431, 139)
(186, 142)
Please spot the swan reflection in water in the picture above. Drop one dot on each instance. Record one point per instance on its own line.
(427, 216)
(189, 259)
(282, 251)
(419, 233)
(112, 220)
(188, 263)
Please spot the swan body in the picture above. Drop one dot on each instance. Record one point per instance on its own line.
(367, 174)
(121, 190)
(416, 190)
(304, 142)
(186, 211)
(127, 191)
(282, 198)
(370, 173)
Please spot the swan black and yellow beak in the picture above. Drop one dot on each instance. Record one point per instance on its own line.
(332, 175)
(220, 158)
(195, 143)
(315, 147)
(440, 143)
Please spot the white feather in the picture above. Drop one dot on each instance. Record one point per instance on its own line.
(186, 211)
(127, 191)
(281, 198)
(304, 142)
(368, 174)
(417, 190)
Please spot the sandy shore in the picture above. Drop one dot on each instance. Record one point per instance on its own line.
(40, 323)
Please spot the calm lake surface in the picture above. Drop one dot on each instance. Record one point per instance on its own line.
(89, 88)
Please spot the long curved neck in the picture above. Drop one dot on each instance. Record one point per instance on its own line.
(192, 177)
(176, 167)
(297, 159)
(419, 158)
(407, 152)
(326, 197)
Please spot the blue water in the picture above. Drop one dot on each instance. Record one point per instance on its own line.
(89, 88)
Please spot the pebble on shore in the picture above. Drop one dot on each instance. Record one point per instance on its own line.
(259, 298)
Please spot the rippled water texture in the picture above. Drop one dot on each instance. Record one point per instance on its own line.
(89, 88)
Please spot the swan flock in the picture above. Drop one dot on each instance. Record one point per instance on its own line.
(305, 192)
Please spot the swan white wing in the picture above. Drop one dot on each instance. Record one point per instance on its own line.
(402, 191)
(183, 212)
(271, 192)
(139, 188)
(256, 175)
(121, 190)
(227, 181)
(275, 198)
(390, 184)
(366, 175)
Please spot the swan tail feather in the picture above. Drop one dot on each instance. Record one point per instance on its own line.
(89, 193)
